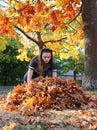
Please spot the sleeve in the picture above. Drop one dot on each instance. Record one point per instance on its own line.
(54, 67)
(33, 64)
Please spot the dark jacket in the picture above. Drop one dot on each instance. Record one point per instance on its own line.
(47, 70)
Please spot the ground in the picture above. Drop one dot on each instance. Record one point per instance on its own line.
(51, 119)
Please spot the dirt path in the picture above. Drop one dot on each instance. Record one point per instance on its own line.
(4, 90)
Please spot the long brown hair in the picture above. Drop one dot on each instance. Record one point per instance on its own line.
(41, 62)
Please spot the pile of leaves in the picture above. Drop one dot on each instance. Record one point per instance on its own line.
(46, 94)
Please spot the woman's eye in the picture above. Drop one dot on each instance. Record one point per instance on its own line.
(46, 57)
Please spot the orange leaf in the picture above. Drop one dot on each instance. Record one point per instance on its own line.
(39, 6)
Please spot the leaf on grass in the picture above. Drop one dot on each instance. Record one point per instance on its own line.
(10, 126)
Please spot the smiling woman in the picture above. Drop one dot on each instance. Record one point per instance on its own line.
(42, 65)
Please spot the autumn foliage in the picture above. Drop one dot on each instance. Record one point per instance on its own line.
(56, 24)
(47, 93)
(33, 16)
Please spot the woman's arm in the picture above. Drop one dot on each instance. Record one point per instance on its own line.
(54, 70)
(54, 74)
(29, 76)
(31, 69)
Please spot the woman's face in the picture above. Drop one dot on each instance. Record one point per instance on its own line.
(46, 56)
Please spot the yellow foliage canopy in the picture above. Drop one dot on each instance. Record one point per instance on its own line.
(46, 23)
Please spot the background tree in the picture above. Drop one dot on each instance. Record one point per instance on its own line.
(89, 15)
(11, 69)
(66, 65)
(43, 23)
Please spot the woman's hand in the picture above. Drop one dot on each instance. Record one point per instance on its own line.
(54, 74)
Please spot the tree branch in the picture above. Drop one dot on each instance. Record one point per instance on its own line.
(76, 16)
(58, 40)
(32, 39)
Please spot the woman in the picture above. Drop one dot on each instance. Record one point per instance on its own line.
(42, 65)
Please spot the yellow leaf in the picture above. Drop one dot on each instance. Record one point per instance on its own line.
(60, 3)
(10, 126)
(3, 44)
(64, 56)
(30, 102)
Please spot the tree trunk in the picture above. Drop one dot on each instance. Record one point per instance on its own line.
(74, 72)
(89, 15)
